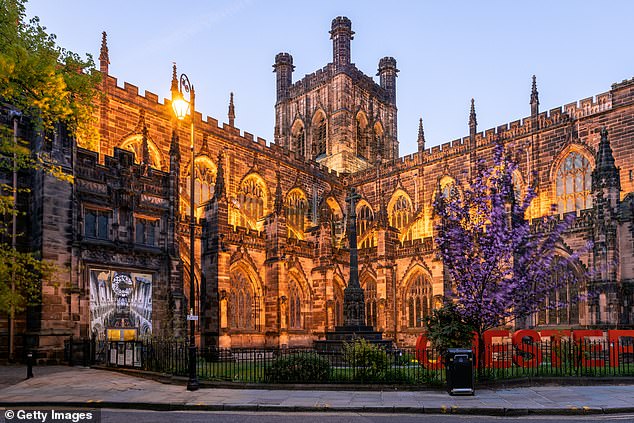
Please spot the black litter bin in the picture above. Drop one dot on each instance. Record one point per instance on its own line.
(460, 376)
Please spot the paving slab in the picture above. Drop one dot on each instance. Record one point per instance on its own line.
(100, 388)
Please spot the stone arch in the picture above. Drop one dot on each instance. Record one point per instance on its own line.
(300, 299)
(401, 213)
(365, 224)
(563, 306)
(245, 298)
(319, 131)
(296, 211)
(368, 283)
(378, 141)
(298, 137)
(252, 202)
(336, 317)
(571, 176)
(205, 171)
(416, 291)
(361, 134)
(134, 143)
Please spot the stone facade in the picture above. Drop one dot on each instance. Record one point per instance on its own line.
(272, 261)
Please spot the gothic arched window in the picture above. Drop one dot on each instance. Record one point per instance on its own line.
(298, 139)
(362, 139)
(319, 135)
(243, 304)
(418, 301)
(134, 143)
(296, 207)
(370, 302)
(378, 141)
(252, 200)
(573, 183)
(561, 305)
(365, 218)
(401, 215)
(295, 305)
(204, 183)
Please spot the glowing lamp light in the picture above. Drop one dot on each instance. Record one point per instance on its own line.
(181, 107)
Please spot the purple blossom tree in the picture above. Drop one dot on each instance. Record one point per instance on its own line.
(500, 269)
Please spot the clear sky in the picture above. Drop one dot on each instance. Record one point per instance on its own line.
(447, 51)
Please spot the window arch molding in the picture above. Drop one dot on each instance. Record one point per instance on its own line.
(246, 299)
(361, 134)
(583, 163)
(134, 143)
(296, 211)
(416, 290)
(401, 213)
(298, 137)
(365, 223)
(319, 133)
(205, 171)
(253, 200)
(300, 299)
(565, 304)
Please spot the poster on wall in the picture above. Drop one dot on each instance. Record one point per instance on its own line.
(120, 300)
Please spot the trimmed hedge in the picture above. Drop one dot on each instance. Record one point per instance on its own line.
(304, 367)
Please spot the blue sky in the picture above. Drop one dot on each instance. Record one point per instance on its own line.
(447, 51)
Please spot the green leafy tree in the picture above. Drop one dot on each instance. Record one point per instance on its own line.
(446, 328)
(43, 81)
(46, 85)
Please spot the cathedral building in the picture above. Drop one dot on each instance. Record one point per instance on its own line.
(271, 257)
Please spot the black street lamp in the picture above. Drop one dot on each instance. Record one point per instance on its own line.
(181, 107)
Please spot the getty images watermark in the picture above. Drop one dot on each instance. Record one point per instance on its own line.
(44, 415)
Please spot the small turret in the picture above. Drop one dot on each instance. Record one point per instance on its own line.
(341, 34)
(284, 68)
(387, 74)
(104, 57)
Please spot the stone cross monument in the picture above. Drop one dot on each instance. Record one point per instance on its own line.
(353, 296)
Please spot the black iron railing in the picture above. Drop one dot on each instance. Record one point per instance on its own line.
(398, 366)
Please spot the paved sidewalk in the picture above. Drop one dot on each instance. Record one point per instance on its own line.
(85, 387)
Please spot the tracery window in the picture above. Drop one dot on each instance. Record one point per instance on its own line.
(370, 302)
(296, 207)
(243, 305)
(365, 219)
(418, 301)
(295, 305)
(448, 187)
(320, 135)
(561, 305)
(204, 183)
(362, 139)
(135, 144)
(299, 141)
(252, 198)
(401, 215)
(378, 141)
(573, 183)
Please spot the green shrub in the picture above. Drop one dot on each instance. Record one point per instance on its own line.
(368, 361)
(304, 367)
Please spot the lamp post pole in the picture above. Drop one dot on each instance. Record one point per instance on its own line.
(185, 85)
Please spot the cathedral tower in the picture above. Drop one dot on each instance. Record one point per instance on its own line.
(337, 116)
